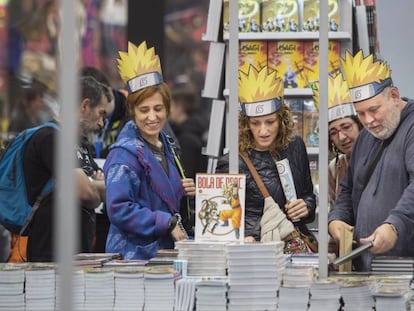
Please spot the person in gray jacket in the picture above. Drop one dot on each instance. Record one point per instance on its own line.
(377, 196)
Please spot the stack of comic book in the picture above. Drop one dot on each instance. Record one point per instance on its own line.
(99, 289)
(211, 294)
(129, 288)
(203, 258)
(40, 286)
(11, 287)
(392, 293)
(254, 275)
(159, 288)
(78, 290)
(325, 295)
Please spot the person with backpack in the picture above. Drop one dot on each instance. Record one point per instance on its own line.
(39, 167)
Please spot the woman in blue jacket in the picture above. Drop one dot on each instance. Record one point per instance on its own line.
(143, 182)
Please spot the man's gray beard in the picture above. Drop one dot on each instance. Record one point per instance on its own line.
(390, 125)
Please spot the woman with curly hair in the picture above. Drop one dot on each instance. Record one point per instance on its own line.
(266, 135)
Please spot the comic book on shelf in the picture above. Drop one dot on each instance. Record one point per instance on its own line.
(311, 60)
(249, 15)
(220, 204)
(226, 17)
(310, 124)
(252, 53)
(286, 57)
(296, 108)
(280, 15)
(310, 15)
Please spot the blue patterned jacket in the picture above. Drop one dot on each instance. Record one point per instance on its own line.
(140, 197)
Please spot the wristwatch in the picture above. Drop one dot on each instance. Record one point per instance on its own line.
(172, 223)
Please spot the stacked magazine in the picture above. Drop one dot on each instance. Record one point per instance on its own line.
(392, 265)
(99, 289)
(211, 294)
(254, 275)
(356, 294)
(78, 290)
(203, 258)
(11, 287)
(185, 289)
(294, 293)
(392, 293)
(325, 295)
(40, 286)
(129, 288)
(159, 288)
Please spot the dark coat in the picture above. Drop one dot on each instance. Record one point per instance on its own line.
(266, 168)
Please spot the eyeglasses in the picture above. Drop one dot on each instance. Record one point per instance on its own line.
(344, 128)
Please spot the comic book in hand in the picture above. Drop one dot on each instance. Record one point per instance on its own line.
(220, 205)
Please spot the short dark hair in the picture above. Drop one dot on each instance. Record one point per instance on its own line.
(92, 89)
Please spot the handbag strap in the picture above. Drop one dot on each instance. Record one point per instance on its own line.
(255, 175)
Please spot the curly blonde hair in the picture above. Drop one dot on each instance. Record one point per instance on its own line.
(285, 135)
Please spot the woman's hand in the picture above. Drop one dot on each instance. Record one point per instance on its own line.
(189, 186)
(296, 209)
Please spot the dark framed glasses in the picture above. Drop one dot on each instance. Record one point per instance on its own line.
(344, 128)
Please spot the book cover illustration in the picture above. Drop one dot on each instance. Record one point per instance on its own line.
(252, 53)
(333, 15)
(249, 15)
(310, 20)
(280, 15)
(220, 200)
(310, 124)
(310, 15)
(311, 60)
(296, 109)
(286, 57)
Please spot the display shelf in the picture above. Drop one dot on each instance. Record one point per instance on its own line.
(298, 92)
(302, 35)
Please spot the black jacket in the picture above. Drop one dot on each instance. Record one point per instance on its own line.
(266, 168)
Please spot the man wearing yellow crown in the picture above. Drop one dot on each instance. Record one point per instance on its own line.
(266, 135)
(377, 195)
(142, 172)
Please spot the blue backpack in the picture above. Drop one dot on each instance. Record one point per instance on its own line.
(15, 210)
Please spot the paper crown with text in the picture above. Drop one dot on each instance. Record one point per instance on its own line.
(260, 91)
(366, 76)
(140, 67)
(339, 98)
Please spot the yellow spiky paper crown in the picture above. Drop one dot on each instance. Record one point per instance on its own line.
(339, 98)
(260, 91)
(140, 67)
(366, 76)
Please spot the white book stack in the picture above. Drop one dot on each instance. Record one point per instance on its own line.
(356, 295)
(99, 289)
(185, 289)
(78, 290)
(40, 288)
(293, 299)
(392, 293)
(129, 289)
(254, 275)
(325, 295)
(203, 258)
(294, 293)
(211, 295)
(159, 288)
(11, 288)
